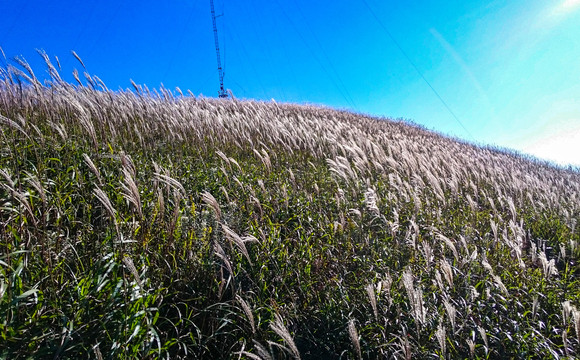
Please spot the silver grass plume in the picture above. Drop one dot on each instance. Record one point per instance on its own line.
(385, 287)
(354, 338)
(447, 271)
(238, 241)
(576, 318)
(93, 168)
(441, 336)
(209, 200)
(133, 270)
(370, 289)
(131, 192)
(248, 311)
(37, 185)
(499, 283)
(451, 313)
(279, 328)
(484, 337)
(450, 245)
(415, 298)
(171, 182)
(104, 199)
(549, 267)
(471, 345)
(263, 354)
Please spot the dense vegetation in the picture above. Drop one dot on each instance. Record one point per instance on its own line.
(144, 224)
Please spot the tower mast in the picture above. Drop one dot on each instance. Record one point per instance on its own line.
(221, 93)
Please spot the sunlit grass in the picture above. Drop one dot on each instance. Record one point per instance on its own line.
(144, 224)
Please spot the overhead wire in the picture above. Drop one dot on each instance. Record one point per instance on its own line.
(255, 21)
(182, 33)
(314, 55)
(351, 100)
(247, 56)
(383, 26)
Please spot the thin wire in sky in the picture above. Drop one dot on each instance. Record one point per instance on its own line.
(346, 98)
(326, 56)
(416, 68)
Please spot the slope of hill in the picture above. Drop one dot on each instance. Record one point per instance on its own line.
(144, 224)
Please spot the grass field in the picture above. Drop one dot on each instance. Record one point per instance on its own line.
(148, 224)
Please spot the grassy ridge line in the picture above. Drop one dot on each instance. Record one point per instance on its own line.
(140, 224)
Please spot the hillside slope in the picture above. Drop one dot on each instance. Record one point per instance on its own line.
(144, 224)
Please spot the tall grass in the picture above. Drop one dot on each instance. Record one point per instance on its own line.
(144, 224)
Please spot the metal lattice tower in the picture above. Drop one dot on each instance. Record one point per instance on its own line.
(221, 93)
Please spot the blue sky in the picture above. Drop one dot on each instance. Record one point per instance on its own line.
(508, 70)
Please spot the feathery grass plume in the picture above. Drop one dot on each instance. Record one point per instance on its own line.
(548, 267)
(252, 356)
(405, 345)
(171, 182)
(494, 230)
(223, 157)
(370, 289)
(13, 125)
(21, 197)
(567, 309)
(371, 202)
(512, 208)
(104, 199)
(93, 168)
(265, 159)
(450, 245)
(279, 328)
(576, 319)
(441, 336)
(354, 338)
(447, 271)
(248, 311)
(439, 281)
(486, 264)
(427, 254)
(451, 313)
(385, 287)
(133, 270)
(130, 192)
(263, 354)
(97, 352)
(500, 284)
(415, 296)
(236, 239)
(78, 58)
(221, 254)
(209, 200)
(89, 127)
(573, 246)
(51, 69)
(37, 185)
(471, 345)
(60, 130)
(128, 163)
(565, 341)
(484, 337)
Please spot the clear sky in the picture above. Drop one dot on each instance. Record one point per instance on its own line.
(509, 71)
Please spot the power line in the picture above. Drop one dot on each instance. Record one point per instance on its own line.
(314, 56)
(326, 56)
(416, 68)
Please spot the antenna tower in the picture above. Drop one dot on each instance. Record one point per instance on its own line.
(221, 93)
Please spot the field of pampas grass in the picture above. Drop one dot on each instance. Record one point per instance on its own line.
(150, 224)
